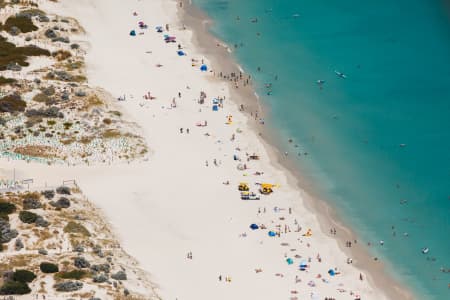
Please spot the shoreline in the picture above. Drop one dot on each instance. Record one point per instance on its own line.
(147, 208)
(199, 22)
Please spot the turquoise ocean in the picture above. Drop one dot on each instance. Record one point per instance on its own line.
(378, 141)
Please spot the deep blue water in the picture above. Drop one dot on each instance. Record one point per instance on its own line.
(396, 55)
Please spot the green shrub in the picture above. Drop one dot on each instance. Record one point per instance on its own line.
(14, 288)
(12, 103)
(75, 274)
(73, 227)
(9, 53)
(7, 208)
(4, 81)
(47, 267)
(41, 97)
(23, 23)
(27, 217)
(23, 276)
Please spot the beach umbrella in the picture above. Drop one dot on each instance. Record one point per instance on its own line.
(203, 68)
(303, 265)
(272, 234)
(290, 261)
(133, 33)
(181, 53)
(331, 272)
(254, 227)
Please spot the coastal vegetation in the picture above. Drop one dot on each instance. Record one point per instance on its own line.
(5, 81)
(10, 54)
(12, 103)
(49, 270)
(22, 22)
(48, 267)
(66, 118)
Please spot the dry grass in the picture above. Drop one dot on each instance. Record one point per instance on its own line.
(73, 227)
(111, 134)
(18, 261)
(61, 55)
(36, 151)
(33, 195)
(92, 101)
(68, 141)
(70, 66)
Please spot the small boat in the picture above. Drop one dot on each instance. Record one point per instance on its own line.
(340, 74)
(320, 82)
(425, 250)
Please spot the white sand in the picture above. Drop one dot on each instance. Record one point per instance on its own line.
(173, 204)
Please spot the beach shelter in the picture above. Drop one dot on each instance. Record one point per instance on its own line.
(215, 108)
(303, 265)
(272, 234)
(290, 261)
(133, 32)
(203, 68)
(331, 272)
(181, 53)
(254, 227)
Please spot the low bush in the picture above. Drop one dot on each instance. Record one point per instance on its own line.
(75, 274)
(15, 288)
(27, 217)
(12, 103)
(10, 54)
(61, 55)
(73, 227)
(63, 190)
(5, 81)
(47, 267)
(24, 23)
(23, 276)
(7, 208)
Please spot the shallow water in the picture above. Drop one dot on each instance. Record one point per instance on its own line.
(396, 55)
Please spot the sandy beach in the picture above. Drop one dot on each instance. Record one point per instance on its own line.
(179, 212)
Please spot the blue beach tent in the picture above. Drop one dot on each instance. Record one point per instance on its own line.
(272, 234)
(331, 272)
(203, 68)
(181, 53)
(290, 261)
(254, 226)
(133, 33)
(215, 108)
